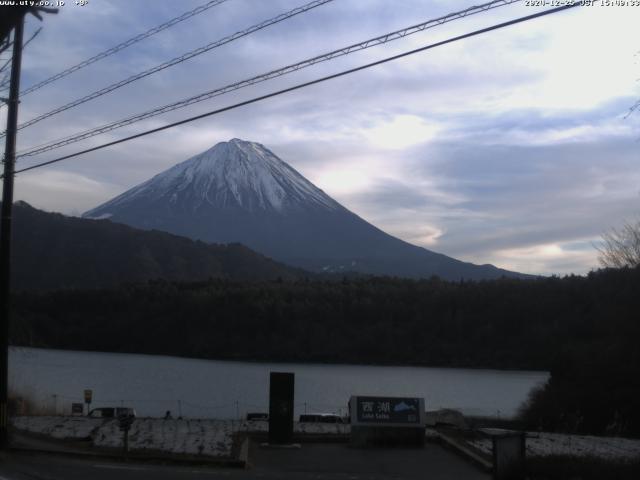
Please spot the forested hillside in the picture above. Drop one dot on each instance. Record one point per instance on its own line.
(584, 329)
(51, 250)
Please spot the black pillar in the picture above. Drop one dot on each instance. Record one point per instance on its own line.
(281, 407)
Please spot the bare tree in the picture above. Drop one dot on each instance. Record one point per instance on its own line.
(621, 247)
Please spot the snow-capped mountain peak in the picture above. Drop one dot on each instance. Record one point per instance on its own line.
(239, 191)
(237, 174)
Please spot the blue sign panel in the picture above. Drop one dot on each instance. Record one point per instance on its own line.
(383, 410)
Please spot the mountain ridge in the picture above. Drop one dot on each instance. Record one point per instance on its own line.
(55, 251)
(240, 191)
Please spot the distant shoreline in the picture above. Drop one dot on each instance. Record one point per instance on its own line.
(284, 362)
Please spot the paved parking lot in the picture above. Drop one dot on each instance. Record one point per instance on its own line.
(338, 460)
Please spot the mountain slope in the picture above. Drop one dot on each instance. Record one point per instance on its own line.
(51, 250)
(240, 191)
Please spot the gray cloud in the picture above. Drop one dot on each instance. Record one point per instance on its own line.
(516, 197)
(500, 155)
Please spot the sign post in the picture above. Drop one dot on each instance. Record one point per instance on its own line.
(88, 395)
(125, 421)
(387, 420)
(509, 453)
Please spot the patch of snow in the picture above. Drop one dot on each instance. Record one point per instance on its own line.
(322, 428)
(545, 444)
(212, 438)
(234, 173)
(103, 216)
(185, 436)
(58, 427)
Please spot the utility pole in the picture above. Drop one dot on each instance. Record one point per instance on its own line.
(5, 226)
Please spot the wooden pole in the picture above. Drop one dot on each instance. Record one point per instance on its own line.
(5, 227)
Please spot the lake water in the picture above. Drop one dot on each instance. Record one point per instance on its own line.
(53, 379)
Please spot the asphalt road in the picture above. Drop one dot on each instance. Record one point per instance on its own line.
(312, 461)
(339, 461)
(36, 466)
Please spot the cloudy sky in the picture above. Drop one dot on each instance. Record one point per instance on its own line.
(509, 148)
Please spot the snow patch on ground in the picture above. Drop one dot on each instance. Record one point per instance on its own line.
(65, 428)
(545, 444)
(212, 438)
(322, 428)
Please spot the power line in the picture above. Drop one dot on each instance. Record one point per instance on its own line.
(382, 39)
(123, 45)
(6, 64)
(305, 84)
(35, 34)
(182, 58)
(8, 43)
(5, 80)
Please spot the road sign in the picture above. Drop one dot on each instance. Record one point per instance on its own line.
(398, 421)
(77, 409)
(88, 394)
(125, 422)
(398, 411)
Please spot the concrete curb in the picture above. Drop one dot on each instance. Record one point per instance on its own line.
(74, 448)
(135, 457)
(466, 452)
(243, 455)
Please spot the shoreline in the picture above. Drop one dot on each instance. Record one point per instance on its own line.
(289, 362)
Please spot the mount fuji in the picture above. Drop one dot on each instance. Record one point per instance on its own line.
(240, 191)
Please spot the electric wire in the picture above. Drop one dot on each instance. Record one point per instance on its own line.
(305, 84)
(6, 45)
(34, 35)
(123, 45)
(635, 107)
(382, 39)
(5, 81)
(175, 61)
(8, 62)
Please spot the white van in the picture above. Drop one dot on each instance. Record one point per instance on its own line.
(112, 412)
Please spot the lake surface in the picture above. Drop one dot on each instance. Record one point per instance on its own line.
(53, 379)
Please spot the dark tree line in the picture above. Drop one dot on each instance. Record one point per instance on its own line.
(585, 330)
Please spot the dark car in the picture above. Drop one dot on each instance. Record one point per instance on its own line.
(321, 418)
(257, 416)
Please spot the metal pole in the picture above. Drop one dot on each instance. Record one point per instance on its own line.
(126, 443)
(5, 227)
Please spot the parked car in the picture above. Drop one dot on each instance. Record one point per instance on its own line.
(111, 412)
(321, 418)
